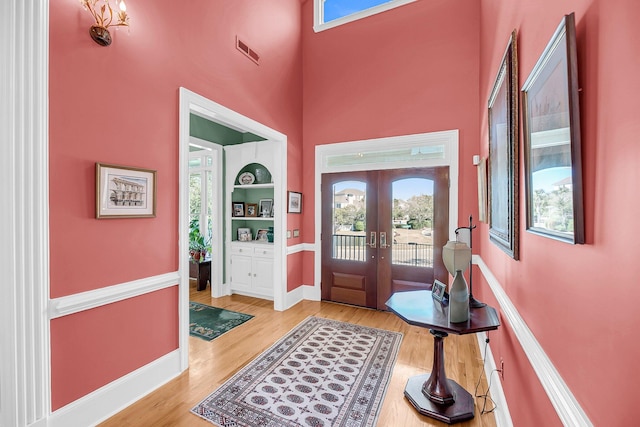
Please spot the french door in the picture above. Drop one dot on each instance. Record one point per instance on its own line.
(382, 232)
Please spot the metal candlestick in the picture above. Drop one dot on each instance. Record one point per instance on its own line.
(473, 303)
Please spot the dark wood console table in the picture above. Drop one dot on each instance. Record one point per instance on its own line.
(201, 271)
(433, 394)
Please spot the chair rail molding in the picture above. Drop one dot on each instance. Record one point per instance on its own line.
(569, 410)
(75, 303)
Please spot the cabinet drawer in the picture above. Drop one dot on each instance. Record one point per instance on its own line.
(264, 252)
(241, 250)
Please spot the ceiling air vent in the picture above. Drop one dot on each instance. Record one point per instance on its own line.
(250, 53)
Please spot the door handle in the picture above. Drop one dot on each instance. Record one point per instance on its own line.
(383, 240)
(372, 240)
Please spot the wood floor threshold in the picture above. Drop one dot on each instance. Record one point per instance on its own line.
(211, 363)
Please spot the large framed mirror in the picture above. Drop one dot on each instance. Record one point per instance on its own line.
(553, 159)
(503, 153)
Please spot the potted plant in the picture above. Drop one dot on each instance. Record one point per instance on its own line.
(198, 244)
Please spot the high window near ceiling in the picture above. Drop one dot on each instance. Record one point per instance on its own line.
(331, 13)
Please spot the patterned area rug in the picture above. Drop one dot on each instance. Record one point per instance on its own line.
(208, 322)
(322, 373)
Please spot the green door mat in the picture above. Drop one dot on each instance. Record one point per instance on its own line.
(208, 322)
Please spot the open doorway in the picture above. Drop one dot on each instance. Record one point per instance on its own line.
(230, 128)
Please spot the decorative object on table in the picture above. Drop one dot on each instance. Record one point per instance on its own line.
(103, 16)
(503, 154)
(199, 246)
(438, 291)
(237, 209)
(473, 303)
(125, 192)
(244, 234)
(208, 322)
(295, 202)
(553, 159)
(252, 209)
(322, 373)
(261, 235)
(270, 235)
(456, 256)
(265, 208)
(246, 178)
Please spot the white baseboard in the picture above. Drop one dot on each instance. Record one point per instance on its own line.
(114, 397)
(502, 414)
(293, 297)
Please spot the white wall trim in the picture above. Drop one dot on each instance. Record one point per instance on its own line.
(112, 398)
(24, 214)
(564, 402)
(75, 303)
(217, 262)
(501, 413)
(301, 247)
(449, 139)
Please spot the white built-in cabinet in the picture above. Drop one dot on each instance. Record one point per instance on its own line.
(250, 264)
(252, 268)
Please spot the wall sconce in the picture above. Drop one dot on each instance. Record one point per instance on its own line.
(103, 16)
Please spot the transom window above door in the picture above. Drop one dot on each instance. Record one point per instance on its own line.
(331, 13)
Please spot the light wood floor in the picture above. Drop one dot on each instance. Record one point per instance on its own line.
(213, 362)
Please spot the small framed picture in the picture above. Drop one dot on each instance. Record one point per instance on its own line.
(261, 235)
(438, 291)
(265, 208)
(244, 234)
(295, 202)
(237, 208)
(125, 192)
(252, 209)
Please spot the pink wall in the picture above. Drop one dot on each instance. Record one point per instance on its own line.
(410, 70)
(94, 347)
(579, 301)
(406, 71)
(119, 104)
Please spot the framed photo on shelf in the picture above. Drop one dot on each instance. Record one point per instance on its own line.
(244, 234)
(295, 202)
(438, 290)
(265, 208)
(503, 154)
(237, 208)
(252, 209)
(125, 192)
(552, 147)
(261, 235)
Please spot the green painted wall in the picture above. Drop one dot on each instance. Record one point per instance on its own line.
(217, 133)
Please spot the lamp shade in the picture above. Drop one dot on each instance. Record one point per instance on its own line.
(456, 256)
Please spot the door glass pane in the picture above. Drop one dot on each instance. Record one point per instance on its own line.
(349, 220)
(209, 207)
(412, 219)
(195, 198)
